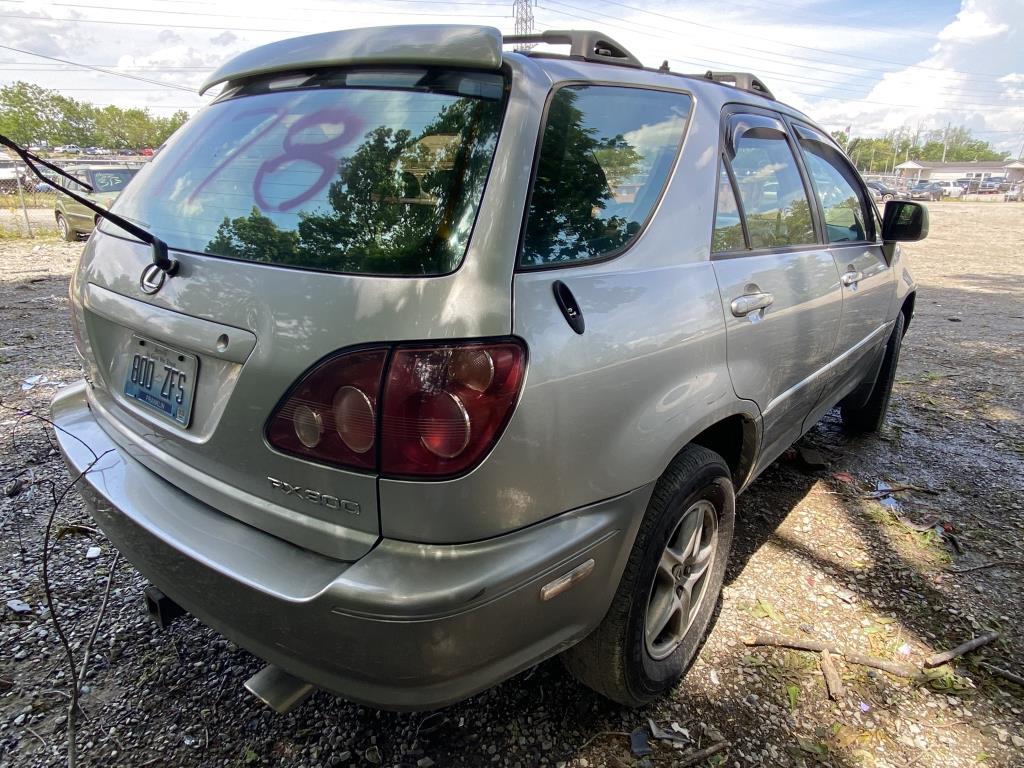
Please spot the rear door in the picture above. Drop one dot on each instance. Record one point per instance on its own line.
(779, 285)
(854, 239)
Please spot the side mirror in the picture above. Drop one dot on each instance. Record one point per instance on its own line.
(904, 221)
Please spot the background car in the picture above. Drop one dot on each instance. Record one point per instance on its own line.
(885, 192)
(994, 184)
(1015, 194)
(925, 190)
(951, 188)
(73, 218)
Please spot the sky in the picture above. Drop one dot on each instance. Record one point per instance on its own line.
(873, 65)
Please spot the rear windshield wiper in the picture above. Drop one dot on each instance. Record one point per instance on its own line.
(160, 257)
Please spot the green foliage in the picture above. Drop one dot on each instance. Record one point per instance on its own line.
(254, 238)
(30, 114)
(882, 154)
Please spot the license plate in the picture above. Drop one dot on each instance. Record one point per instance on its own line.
(161, 378)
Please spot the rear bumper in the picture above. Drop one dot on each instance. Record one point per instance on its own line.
(408, 626)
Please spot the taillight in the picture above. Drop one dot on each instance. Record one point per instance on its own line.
(331, 416)
(443, 408)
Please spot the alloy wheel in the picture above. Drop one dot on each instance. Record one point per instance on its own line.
(680, 583)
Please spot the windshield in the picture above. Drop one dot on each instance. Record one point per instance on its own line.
(113, 180)
(377, 172)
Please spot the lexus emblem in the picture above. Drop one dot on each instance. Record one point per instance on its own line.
(152, 279)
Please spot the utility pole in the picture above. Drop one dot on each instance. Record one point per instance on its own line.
(945, 141)
(523, 12)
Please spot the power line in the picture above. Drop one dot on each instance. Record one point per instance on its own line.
(793, 45)
(705, 62)
(222, 28)
(783, 59)
(98, 69)
(24, 66)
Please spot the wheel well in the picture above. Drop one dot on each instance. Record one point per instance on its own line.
(908, 310)
(734, 439)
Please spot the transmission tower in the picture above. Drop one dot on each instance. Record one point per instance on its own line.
(523, 11)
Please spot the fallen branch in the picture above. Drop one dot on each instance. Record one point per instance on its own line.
(597, 736)
(795, 643)
(1003, 673)
(76, 679)
(41, 739)
(693, 758)
(892, 667)
(995, 564)
(833, 682)
(939, 659)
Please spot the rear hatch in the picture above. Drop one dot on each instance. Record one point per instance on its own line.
(310, 213)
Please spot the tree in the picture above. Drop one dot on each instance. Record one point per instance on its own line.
(881, 155)
(254, 238)
(30, 114)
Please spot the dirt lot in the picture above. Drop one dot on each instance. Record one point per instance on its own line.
(816, 558)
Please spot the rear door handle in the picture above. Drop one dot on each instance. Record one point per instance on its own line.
(742, 306)
(851, 278)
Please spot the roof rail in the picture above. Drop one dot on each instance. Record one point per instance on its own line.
(585, 44)
(742, 80)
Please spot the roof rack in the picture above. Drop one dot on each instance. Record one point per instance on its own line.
(585, 44)
(742, 80)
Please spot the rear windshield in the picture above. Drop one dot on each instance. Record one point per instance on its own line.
(113, 180)
(375, 172)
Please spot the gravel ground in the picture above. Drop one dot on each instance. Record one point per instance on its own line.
(815, 557)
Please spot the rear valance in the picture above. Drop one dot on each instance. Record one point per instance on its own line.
(445, 45)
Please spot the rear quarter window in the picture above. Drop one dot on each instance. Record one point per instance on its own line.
(606, 154)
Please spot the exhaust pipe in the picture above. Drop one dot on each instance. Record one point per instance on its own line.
(277, 689)
(161, 608)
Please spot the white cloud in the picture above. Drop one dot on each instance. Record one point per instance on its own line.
(838, 68)
(224, 38)
(972, 24)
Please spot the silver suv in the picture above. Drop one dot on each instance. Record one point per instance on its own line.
(457, 357)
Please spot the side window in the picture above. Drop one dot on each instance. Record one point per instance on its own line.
(606, 155)
(843, 203)
(774, 200)
(728, 234)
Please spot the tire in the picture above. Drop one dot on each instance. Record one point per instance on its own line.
(616, 659)
(65, 230)
(869, 417)
(887, 198)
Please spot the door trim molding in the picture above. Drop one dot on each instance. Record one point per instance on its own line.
(826, 369)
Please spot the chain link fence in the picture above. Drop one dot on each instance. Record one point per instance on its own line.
(26, 203)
